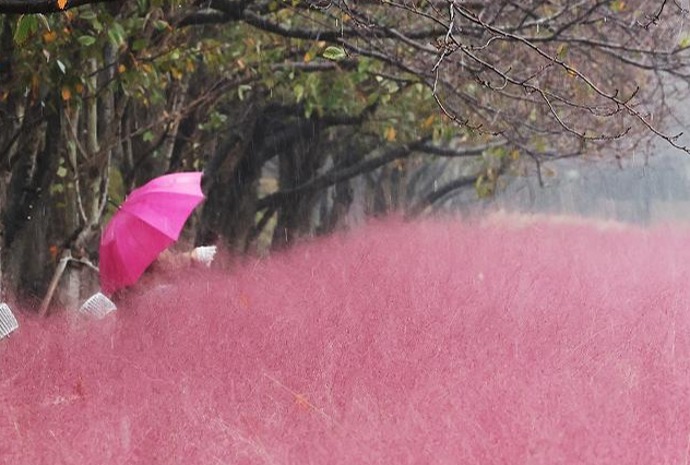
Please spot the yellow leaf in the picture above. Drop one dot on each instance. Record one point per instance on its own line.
(390, 134)
(309, 56)
(49, 36)
(66, 93)
(121, 69)
(428, 122)
(62, 4)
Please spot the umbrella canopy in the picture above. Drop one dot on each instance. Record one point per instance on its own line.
(150, 219)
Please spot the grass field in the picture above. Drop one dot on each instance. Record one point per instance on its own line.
(507, 342)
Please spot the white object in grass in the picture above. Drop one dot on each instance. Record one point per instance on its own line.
(204, 254)
(98, 305)
(8, 322)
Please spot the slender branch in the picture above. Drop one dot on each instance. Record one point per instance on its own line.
(57, 275)
(442, 192)
(456, 153)
(65, 260)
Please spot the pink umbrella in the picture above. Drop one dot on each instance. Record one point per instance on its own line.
(150, 219)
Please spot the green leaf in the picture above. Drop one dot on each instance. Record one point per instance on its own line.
(684, 42)
(143, 5)
(148, 136)
(242, 91)
(116, 34)
(86, 40)
(364, 65)
(26, 25)
(334, 53)
(390, 86)
(43, 20)
(88, 15)
(57, 189)
(299, 92)
(161, 25)
(139, 44)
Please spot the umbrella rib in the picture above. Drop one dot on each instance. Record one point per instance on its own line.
(144, 220)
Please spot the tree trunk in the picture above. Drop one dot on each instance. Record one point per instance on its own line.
(30, 213)
(298, 163)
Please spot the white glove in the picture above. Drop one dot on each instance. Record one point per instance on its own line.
(204, 254)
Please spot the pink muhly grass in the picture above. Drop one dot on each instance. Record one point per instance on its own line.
(419, 343)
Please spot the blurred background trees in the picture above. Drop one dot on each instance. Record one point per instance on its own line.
(306, 116)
